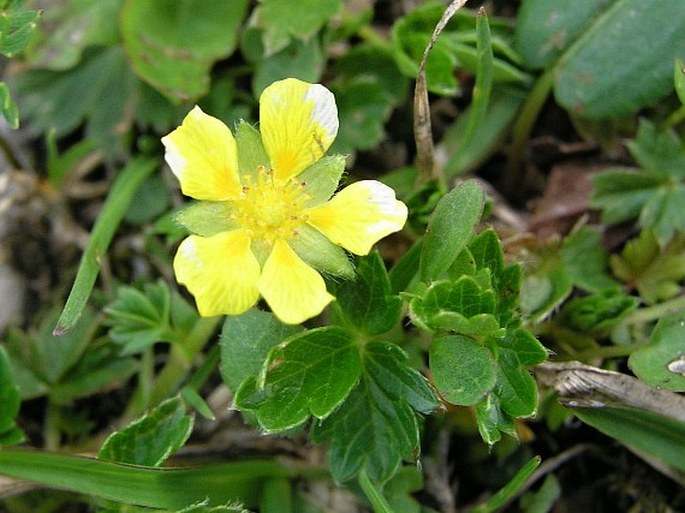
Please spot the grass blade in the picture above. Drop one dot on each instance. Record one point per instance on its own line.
(116, 205)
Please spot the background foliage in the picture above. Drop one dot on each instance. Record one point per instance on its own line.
(545, 247)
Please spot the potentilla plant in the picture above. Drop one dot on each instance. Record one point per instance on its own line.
(267, 221)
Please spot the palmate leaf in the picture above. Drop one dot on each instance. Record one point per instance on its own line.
(309, 374)
(377, 426)
(654, 271)
(655, 193)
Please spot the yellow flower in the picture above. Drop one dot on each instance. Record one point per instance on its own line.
(268, 205)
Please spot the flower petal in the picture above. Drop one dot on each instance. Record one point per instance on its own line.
(202, 154)
(298, 122)
(359, 216)
(220, 271)
(295, 292)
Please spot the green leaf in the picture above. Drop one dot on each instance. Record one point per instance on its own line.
(542, 500)
(661, 362)
(138, 319)
(547, 282)
(99, 369)
(68, 28)
(515, 387)
(400, 488)
(660, 152)
(366, 304)
(655, 272)
(544, 30)
(463, 370)
(303, 60)
(173, 46)
(511, 489)
(151, 439)
(597, 313)
(586, 261)
(464, 297)
(309, 374)
(8, 108)
(376, 427)
(368, 86)
(245, 343)
(114, 209)
(207, 218)
(16, 27)
(404, 271)
(622, 193)
(151, 200)
(10, 434)
(645, 431)
(450, 228)
(586, 86)
(282, 20)
(528, 349)
(488, 136)
(487, 253)
(65, 100)
(49, 357)
(679, 79)
(663, 213)
(492, 421)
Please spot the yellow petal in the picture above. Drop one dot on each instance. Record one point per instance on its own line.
(202, 154)
(298, 121)
(359, 216)
(295, 292)
(220, 271)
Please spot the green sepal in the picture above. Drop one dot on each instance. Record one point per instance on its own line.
(207, 218)
(317, 250)
(251, 152)
(321, 179)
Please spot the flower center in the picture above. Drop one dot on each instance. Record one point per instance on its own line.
(269, 208)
